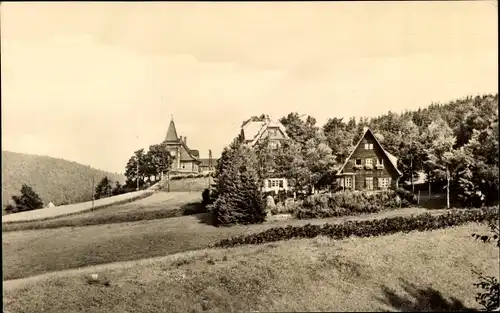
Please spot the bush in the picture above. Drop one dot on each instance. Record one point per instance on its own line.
(488, 297)
(185, 176)
(367, 228)
(207, 197)
(350, 203)
(285, 207)
(407, 197)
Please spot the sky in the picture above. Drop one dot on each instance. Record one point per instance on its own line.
(92, 82)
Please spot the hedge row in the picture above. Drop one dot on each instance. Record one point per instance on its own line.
(202, 175)
(108, 218)
(352, 203)
(369, 228)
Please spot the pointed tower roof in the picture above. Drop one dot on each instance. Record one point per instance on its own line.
(172, 132)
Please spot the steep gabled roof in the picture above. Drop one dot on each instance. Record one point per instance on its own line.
(251, 129)
(171, 132)
(186, 154)
(392, 158)
(172, 138)
(257, 129)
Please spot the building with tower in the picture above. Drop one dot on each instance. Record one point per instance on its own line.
(185, 160)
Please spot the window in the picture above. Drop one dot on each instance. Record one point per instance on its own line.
(384, 183)
(369, 146)
(369, 183)
(368, 162)
(273, 183)
(273, 144)
(348, 182)
(380, 161)
(358, 161)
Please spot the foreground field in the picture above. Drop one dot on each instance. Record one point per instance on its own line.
(419, 271)
(33, 252)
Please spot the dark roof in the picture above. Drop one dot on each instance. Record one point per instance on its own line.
(171, 132)
(172, 138)
(206, 162)
(186, 154)
(392, 159)
(195, 153)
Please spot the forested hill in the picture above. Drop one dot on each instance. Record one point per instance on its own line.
(55, 180)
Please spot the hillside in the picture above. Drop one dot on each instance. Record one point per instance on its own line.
(55, 180)
(413, 272)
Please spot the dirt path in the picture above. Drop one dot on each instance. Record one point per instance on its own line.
(9, 285)
(17, 283)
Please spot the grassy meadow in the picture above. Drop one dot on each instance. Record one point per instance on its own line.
(190, 184)
(156, 206)
(34, 252)
(417, 271)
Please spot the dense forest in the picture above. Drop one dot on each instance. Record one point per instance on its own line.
(455, 144)
(55, 180)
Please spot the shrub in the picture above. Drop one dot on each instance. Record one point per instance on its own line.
(186, 176)
(407, 197)
(366, 228)
(270, 205)
(350, 203)
(284, 207)
(488, 297)
(207, 197)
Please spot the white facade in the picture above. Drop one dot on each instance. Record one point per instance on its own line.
(275, 184)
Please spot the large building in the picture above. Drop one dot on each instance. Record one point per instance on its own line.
(185, 160)
(254, 132)
(369, 167)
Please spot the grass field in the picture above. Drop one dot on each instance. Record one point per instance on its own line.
(75, 208)
(157, 206)
(189, 184)
(418, 271)
(33, 252)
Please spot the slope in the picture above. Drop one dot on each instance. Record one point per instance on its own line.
(55, 180)
(418, 271)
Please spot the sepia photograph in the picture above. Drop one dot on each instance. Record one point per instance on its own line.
(334, 156)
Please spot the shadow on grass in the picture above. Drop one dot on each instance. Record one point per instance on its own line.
(421, 300)
(206, 218)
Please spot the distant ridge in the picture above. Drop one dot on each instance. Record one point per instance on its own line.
(56, 180)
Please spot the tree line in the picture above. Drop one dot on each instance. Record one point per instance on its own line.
(454, 144)
(147, 166)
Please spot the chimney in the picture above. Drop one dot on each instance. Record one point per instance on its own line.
(180, 138)
(185, 140)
